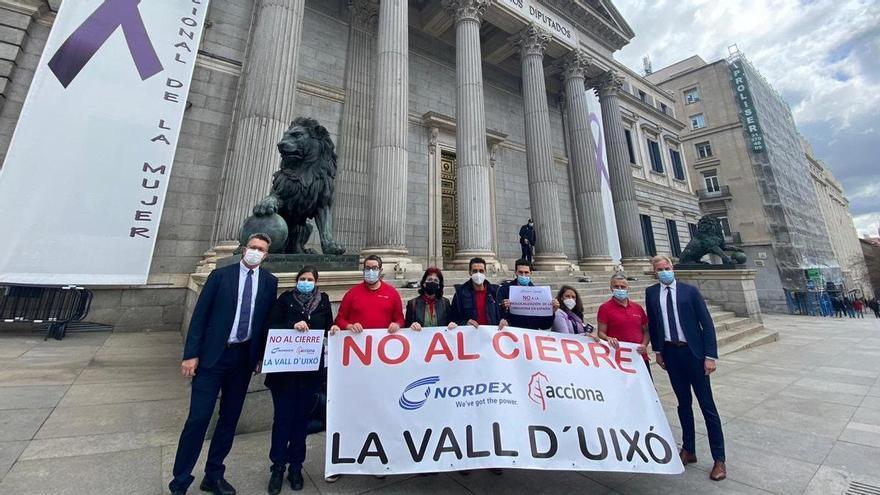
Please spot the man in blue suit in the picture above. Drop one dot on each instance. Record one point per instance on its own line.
(222, 351)
(683, 339)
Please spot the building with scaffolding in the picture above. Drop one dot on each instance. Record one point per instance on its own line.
(742, 144)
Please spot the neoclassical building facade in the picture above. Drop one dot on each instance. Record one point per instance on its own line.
(455, 121)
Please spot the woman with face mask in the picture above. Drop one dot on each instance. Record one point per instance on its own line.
(430, 308)
(295, 394)
(569, 318)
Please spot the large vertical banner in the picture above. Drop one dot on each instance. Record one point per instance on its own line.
(85, 177)
(602, 169)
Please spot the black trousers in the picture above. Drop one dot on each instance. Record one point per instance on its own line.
(294, 401)
(526, 251)
(687, 372)
(230, 376)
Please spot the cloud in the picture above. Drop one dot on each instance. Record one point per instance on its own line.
(821, 55)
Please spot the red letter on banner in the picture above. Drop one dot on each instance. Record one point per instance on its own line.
(404, 352)
(495, 344)
(364, 355)
(462, 355)
(438, 347)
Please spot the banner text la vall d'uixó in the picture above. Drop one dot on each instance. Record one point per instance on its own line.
(447, 400)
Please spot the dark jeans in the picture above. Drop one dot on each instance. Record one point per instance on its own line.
(686, 372)
(231, 376)
(527, 251)
(294, 401)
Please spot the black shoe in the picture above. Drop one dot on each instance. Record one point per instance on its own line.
(296, 479)
(276, 480)
(496, 471)
(217, 487)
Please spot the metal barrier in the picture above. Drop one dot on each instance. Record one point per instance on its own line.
(56, 306)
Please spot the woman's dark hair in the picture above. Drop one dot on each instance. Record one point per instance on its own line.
(432, 271)
(308, 269)
(578, 305)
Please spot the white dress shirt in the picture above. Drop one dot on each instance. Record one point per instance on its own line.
(242, 276)
(664, 289)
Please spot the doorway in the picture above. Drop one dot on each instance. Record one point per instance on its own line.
(449, 205)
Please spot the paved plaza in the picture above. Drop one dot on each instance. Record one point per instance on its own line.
(99, 413)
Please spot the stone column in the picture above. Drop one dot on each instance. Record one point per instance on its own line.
(623, 190)
(350, 216)
(543, 194)
(582, 165)
(474, 205)
(265, 110)
(386, 201)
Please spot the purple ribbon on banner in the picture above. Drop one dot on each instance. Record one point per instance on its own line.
(600, 149)
(73, 55)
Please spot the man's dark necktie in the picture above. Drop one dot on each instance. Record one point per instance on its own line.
(244, 314)
(670, 317)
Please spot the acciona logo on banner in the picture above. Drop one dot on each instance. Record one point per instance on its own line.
(96, 137)
(540, 391)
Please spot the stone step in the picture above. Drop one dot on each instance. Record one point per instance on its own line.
(725, 336)
(762, 336)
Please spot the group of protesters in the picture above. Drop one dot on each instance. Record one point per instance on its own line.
(225, 344)
(853, 307)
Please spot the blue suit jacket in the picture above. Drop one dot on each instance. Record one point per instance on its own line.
(214, 315)
(693, 315)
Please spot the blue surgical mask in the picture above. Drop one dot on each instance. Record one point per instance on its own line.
(620, 294)
(666, 276)
(523, 279)
(305, 286)
(371, 276)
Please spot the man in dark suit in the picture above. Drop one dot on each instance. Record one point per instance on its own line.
(221, 352)
(527, 240)
(683, 339)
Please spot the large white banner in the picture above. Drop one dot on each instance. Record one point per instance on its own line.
(468, 398)
(84, 181)
(596, 126)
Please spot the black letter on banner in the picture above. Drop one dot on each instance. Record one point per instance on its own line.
(585, 450)
(499, 451)
(633, 446)
(373, 438)
(534, 444)
(471, 453)
(453, 447)
(417, 456)
(616, 444)
(667, 450)
(336, 459)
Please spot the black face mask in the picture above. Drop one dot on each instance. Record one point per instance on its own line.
(432, 288)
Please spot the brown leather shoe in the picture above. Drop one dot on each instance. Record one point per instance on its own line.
(687, 457)
(719, 471)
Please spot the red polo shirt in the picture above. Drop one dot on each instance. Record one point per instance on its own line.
(624, 322)
(371, 308)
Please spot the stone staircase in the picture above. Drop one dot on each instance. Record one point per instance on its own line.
(733, 333)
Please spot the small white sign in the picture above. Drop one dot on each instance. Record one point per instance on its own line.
(531, 301)
(291, 350)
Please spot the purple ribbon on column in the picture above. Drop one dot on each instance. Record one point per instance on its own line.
(600, 148)
(73, 55)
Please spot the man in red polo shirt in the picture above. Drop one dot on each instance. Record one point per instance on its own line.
(372, 304)
(622, 320)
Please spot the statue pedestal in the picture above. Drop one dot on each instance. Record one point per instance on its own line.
(733, 290)
(292, 263)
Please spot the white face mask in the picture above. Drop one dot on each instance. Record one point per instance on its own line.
(253, 257)
(569, 303)
(478, 278)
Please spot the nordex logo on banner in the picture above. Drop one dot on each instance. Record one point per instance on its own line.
(84, 181)
(440, 400)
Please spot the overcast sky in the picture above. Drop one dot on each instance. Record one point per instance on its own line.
(823, 56)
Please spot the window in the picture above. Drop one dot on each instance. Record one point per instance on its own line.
(664, 108)
(698, 121)
(691, 96)
(629, 146)
(692, 228)
(643, 96)
(704, 150)
(711, 180)
(674, 242)
(725, 225)
(654, 152)
(648, 235)
(677, 167)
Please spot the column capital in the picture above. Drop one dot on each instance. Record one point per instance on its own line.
(607, 84)
(466, 10)
(531, 41)
(575, 64)
(364, 14)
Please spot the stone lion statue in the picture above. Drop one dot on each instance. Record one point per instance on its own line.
(709, 239)
(303, 187)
